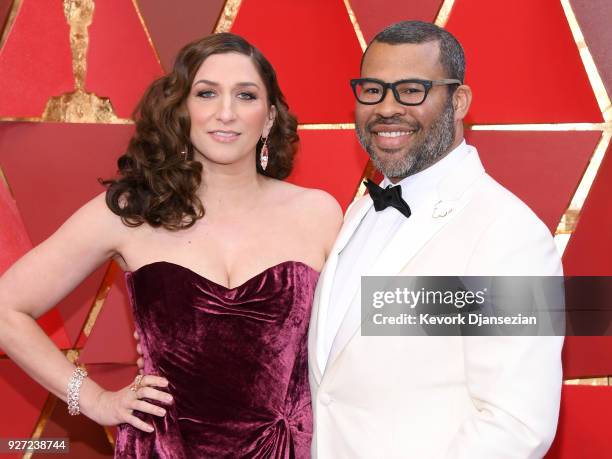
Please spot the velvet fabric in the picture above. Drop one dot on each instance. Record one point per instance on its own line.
(236, 361)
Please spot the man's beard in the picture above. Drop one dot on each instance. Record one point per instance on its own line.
(436, 143)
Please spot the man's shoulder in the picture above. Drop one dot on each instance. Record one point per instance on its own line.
(509, 238)
(502, 204)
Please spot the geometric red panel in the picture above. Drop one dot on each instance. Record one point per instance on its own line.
(372, 18)
(588, 254)
(171, 28)
(330, 160)
(22, 400)
(52, 324)
(522, 63)
(541, 168)
(595, 17)
(584, 424)
(53, 170)
(587, 356)
(14, 242)
(111, 339)
(121, 62)
(589, 250)
(35, 61)
(314, 50)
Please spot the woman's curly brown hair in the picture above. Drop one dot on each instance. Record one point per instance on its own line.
(158, 175)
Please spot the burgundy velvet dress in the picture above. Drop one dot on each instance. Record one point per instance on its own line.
(236, 361)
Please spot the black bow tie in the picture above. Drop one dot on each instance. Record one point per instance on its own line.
(385, 197)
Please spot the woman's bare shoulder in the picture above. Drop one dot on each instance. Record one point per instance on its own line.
(317, 213)
(97, 219)
(321, 204)
(98, 209)
(312, 202)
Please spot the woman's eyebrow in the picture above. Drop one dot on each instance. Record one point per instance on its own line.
(214, 83)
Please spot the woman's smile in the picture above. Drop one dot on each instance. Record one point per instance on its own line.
(224, 136)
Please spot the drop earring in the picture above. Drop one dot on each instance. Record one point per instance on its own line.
(263, 155)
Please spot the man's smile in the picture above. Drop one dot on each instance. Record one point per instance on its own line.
(389, 137)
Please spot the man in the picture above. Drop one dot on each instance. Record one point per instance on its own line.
(428, 397)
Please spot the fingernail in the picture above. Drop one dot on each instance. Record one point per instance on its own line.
(169, 398)
(162, 412)
(149, 428)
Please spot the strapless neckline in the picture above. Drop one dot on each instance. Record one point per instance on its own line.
(205, 279)
(236, 361)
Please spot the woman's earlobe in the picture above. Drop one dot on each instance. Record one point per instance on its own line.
(272, 114)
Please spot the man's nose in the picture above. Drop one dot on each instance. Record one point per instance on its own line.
(389, 107)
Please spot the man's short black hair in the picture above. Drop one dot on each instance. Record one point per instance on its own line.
(452, 57)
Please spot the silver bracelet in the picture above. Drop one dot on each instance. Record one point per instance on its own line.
(74, 388)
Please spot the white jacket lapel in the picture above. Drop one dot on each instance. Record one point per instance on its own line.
(453, 194)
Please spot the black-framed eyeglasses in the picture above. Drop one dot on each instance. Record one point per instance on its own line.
(370, 91)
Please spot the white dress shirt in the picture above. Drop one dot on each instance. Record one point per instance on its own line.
(373, 233)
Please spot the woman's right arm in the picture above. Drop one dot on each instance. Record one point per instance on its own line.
(37, 282)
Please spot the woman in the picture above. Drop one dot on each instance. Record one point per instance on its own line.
(221, 259)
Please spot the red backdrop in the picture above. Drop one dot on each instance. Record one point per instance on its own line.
(524, 66)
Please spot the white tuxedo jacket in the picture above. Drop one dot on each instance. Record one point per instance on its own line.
(440, 397)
